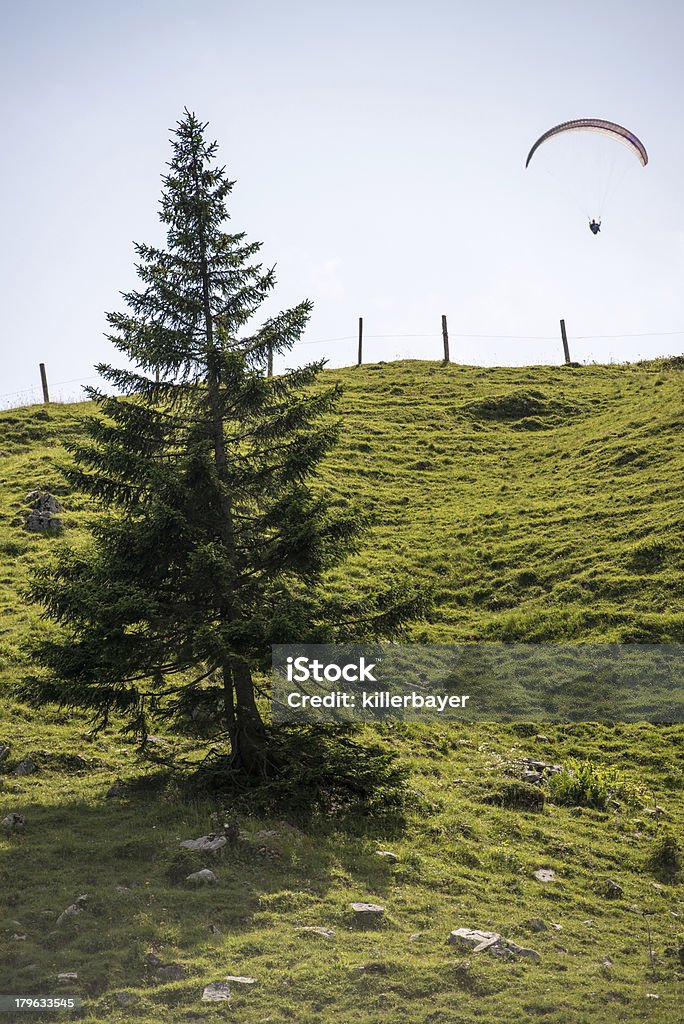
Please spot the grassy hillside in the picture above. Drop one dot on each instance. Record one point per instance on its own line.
(543, 504)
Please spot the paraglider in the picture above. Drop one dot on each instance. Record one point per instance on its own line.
(594, 124)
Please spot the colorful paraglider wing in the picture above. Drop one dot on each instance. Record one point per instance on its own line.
(593, 124)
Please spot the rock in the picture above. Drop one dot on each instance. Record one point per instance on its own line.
(152, 960)
(217, 992)
(612, 889)
(557, 927)
(122, 888)
(517, 951)
(541, 738)
(42, 501)
(537, 925)
(67, 976)
(171, 972)
(367, 911)
(42, 522)
(542, 767)
(206, 844)
(13, 822)
(214, 930)
(545, 875)
(416, 935)
(388, 855)
(203, 877)
(26, 767)
(472, 937)
(4, 752)
(325, 933)
(607, 961)
(18, 938)
(492, 942)
(240, 979)
(652, 995)
(126, 999)
(69, 915)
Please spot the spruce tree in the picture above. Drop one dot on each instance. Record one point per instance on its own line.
(211, 543)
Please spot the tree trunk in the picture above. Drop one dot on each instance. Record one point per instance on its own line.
(248, 736)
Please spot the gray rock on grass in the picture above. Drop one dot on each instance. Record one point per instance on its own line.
(217, 992)
(479, 941)
(367, 911)
(545, 875)
(13, 822)
(203, 877)
(206, 844)
(70, 915)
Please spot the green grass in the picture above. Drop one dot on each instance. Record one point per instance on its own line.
(543, 504)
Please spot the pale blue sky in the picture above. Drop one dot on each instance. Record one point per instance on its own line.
(379, 152)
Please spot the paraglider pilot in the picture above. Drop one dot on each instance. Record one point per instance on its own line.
(595, 226)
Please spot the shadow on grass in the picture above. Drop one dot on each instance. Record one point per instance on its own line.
(323, 772)
(331, 799)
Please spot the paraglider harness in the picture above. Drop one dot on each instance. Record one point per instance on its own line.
(595, 226)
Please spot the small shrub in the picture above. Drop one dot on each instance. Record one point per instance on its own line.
(587, 784)
(665, 860)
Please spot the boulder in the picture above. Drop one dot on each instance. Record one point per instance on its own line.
(203, 877)
(240, 979)
(472, 937)
(206, 844)
(217, 992)
(367, 911)
(42, 522)
(42, 501)
(26, 767)
(13, 822)
(545, 875)
(493, 942)
(387, 855)
(612, 889)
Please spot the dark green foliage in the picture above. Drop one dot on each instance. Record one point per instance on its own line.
(214, 544)
(321, 769)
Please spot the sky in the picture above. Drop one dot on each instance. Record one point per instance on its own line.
(378, 149)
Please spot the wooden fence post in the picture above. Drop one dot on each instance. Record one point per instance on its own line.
(43, 381)
(445, 338)
(360, 359)
(564, 336)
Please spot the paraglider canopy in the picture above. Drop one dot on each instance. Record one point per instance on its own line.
(594, 124)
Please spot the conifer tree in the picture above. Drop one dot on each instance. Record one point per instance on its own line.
(212, 543)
